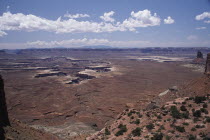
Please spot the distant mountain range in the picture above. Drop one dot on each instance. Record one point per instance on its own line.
(97, 47)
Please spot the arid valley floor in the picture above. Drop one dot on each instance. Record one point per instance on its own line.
(74, 93)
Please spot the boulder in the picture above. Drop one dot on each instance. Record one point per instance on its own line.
(174, 88)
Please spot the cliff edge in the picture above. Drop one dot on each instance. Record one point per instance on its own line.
(4, 119)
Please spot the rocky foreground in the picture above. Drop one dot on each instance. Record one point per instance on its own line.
(183, 118)
(20, 131)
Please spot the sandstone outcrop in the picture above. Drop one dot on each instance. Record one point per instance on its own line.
(199, 59)
(207, 69)
(199, 54)
(4, 120)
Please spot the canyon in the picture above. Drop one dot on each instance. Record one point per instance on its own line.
(72, 94)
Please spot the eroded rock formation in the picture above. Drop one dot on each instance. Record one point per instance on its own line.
(199, 54)
(207, 69)
(4, 120)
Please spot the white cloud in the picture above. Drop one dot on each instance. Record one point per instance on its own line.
(200, 28)
(2, 33)
(207, 21)
(203, 16)
(29, 23)
(76, 15)
(169, 20)
(192, 37)
(141, 19)
(19, 21)
(107, 17)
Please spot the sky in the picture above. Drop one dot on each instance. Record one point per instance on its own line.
(117, 23)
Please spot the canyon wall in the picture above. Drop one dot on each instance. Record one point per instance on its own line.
(207, 69)
(4, 119)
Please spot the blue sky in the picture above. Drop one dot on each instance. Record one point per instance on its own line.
(118, 23)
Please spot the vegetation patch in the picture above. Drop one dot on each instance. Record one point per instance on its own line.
(136, 132)
(197, 113)
(175, 112)
(107, 132)
(122, 130)
(137, 121)
(150, 126)
(180, 128)
(157, 136)
(199, 99)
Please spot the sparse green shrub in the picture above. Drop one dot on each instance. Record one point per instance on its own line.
(191, 137)
(202, 134)
(189, 105)
(185, 123)
(137, 121)
(159, 117)
(174, 102)
(191, 98)
(122, 128)
(183, 103)
(129, 114)
(205, 105)
(197, 113)
(107, 132)
(208, 119)
(183, 108)
(120, 125)
(195, 120)
(175, 112)
(167, 137)
(193, 129)
(150, 126)
(199, 99)
(162, 127)
(133, 111)
(180, 128)
(157, 136)
(204, 110)
(200, 126)
(136, 132)
(147, 136)
(139, 115)
(206, 138)
(185, 115)
(172, 131)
